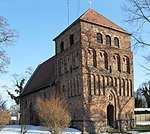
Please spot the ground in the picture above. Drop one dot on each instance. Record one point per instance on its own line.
(15, 129)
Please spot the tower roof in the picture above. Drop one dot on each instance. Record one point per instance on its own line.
(94, 17)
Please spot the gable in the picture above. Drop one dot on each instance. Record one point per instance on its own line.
(94, 17)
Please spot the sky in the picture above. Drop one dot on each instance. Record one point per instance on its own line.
(38, 22)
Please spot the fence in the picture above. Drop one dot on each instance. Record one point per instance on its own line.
(142, 117)
(142, 114)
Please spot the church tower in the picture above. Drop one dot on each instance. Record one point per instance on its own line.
(94, 71)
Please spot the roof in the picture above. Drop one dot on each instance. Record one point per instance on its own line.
(42, 76)
(92, 16)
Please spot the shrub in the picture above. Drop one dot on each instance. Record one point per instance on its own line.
(53, 114)
(4, 118)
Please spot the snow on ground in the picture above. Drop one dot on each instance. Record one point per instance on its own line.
(15, 129)
(143, 122)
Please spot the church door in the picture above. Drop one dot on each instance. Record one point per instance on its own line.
(110, 115)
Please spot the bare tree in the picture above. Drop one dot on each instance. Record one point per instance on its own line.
(139, 99)
(19, 87)
(145, 90)
(53, 114)
(19, 82)
(7, 38)
(2, 104)
(138, 16)
(138, 13)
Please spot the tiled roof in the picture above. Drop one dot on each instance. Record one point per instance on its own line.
(43, 75)
(94, 17)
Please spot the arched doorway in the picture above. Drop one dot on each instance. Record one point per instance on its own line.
(110, 115)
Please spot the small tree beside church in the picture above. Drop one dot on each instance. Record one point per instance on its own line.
(4, 114)
(53, 114)
(4, 118)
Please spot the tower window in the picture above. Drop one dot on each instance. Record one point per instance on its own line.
(62, 46)
(106, 61)
(128, 65)
(108, 40)
(116, 42)
(110, 70)
(99, 38)
(118, 64)
(71, 39)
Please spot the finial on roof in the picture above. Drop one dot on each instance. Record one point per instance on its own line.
(90, 3)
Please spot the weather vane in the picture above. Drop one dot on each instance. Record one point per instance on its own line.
(90, 3)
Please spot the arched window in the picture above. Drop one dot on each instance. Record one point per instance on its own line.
(62, 46)
(126, 64)
(98, 92)
(99, 38)
(104, 59)
(123, 86)
(91, 59)
(127, 82)
(108, 40)
(130, 87)
(71, 39)
(110, 70)
(106, 81)
(102, 79)
(115, 82)
(116, 42)
(117, 63)
(94, 59)
(93, 88)
(111, 82)
(120, 87)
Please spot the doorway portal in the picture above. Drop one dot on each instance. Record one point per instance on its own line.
(110, 115)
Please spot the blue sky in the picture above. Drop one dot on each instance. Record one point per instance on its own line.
(40, 21)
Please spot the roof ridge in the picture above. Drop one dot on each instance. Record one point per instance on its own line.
(93, 16)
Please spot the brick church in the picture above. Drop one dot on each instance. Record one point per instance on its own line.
(92, 69)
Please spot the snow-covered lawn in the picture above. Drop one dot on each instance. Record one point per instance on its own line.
(143, 123)
(15, 129)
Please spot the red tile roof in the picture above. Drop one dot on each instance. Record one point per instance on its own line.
(94, 17)
(43, 75)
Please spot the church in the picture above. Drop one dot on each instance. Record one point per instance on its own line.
(92, 69)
